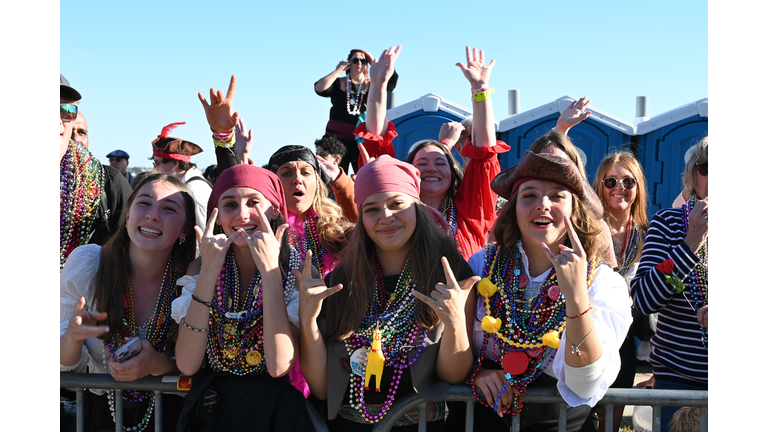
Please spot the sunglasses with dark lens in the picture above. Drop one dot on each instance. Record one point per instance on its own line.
(68, 111)
(611, 182)
(356, 60)
(702, 167)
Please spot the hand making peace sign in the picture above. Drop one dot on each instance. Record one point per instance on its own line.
(219, 112)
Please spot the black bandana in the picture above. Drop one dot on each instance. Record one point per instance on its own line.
(291, 153)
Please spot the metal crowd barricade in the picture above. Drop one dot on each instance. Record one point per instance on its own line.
(653, 398)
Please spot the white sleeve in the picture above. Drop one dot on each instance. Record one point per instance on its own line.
(612, 317)
(180, 305)
(76, 281)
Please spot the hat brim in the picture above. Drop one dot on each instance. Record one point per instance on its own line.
(68, 93)
(546, 166)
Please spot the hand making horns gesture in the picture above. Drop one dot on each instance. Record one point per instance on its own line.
(219, 112)
(263, 244)
(213, 247)
(448, 300)
(476, 71)
(312, 291)
(382, 68)
(571, 263)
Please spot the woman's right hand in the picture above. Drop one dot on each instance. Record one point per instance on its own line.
(382, 68)
(575, 114)
(243, 142)
(476, 71)
(490, 382)
(312, 291)
(83, 326)
(343, 66)
(698, 225)
(219, 112)
(213, 247)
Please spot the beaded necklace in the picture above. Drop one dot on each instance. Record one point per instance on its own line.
(236, 325)
(394, 315)
(448, 210)
(81, 180)
(358, 96)
(530, 320)
(628, 254)
(309, 239)
(160, 330)
(698, 279)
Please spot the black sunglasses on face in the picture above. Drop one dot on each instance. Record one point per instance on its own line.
(356, 60)
(703, 168)
(68, 111)
(611, 182)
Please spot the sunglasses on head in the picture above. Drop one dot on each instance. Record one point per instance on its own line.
(611, 182)
(68, 111)
(702, 167)
(356, 60)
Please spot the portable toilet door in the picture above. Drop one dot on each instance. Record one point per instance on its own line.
(592, 137)
(662, 146)
(421, 119)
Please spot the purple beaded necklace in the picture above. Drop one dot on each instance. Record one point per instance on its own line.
(698, 280)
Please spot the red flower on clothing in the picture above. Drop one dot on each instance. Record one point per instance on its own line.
(666, 266)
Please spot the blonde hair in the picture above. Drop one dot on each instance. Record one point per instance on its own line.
(698, 155)
(333, 227)
(639, 206)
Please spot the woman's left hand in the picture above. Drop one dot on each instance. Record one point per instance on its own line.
(448, 300)
(702, 316)
(264, 245)
(219, 111)
(142, 364)
(570, 264)
(476, 71)
(243, 142)
(383, 68)
(332, 170)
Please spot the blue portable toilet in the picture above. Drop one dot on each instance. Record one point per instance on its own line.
(421, 119)
(592, 137)
(662, 145)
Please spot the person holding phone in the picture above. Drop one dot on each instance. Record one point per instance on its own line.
(349, 99)
(115, 293)
(238, 312)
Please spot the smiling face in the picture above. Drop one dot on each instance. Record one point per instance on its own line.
(299, 184)
(238, 210)
(619, 198)
(390, 220)
(434, 169)
(540, 208)
(156, 218)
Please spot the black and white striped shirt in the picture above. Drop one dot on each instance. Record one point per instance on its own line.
(678, 351)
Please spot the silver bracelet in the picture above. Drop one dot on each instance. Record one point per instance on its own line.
(575, 349)
(183, 321)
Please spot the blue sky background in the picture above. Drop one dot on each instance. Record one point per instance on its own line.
(152, 59)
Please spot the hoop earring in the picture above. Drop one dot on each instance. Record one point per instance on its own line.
(182, 240)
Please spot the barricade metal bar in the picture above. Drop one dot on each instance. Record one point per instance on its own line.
(515, 423)
(608, 417)
(118, 410)
(423, 417)
(656, 424)
(158, 411)
(562, 421)
(704, 419)
(80, 420)
(469, 419)
(105, 381)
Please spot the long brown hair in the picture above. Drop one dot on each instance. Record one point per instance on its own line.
(109, 282)
(639, 207)
(561, 141)
(587, 226)
(347, 308)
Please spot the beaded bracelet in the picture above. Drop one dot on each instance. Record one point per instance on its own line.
(200, 301)
(574, 317)
(194, 329)
(483, 95)
(480, 90)
(509, 380)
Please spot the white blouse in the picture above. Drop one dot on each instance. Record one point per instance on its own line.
(612, 316)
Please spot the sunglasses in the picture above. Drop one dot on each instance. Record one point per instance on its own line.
(356, 60)
(702, 167)
(68, 111)
(611, 182)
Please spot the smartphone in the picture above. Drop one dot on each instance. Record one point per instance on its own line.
(130, 349)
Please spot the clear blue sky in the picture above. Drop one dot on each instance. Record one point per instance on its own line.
(154, 59)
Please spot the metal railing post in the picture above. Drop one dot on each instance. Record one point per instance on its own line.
(79, 400)
(119, 410)
(158, 411)
(608, 417)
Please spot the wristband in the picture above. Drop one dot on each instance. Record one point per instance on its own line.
(200, 301)
(483, 95)
(225, 142)
(445, 141)
(480, 90)
(573, 317)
